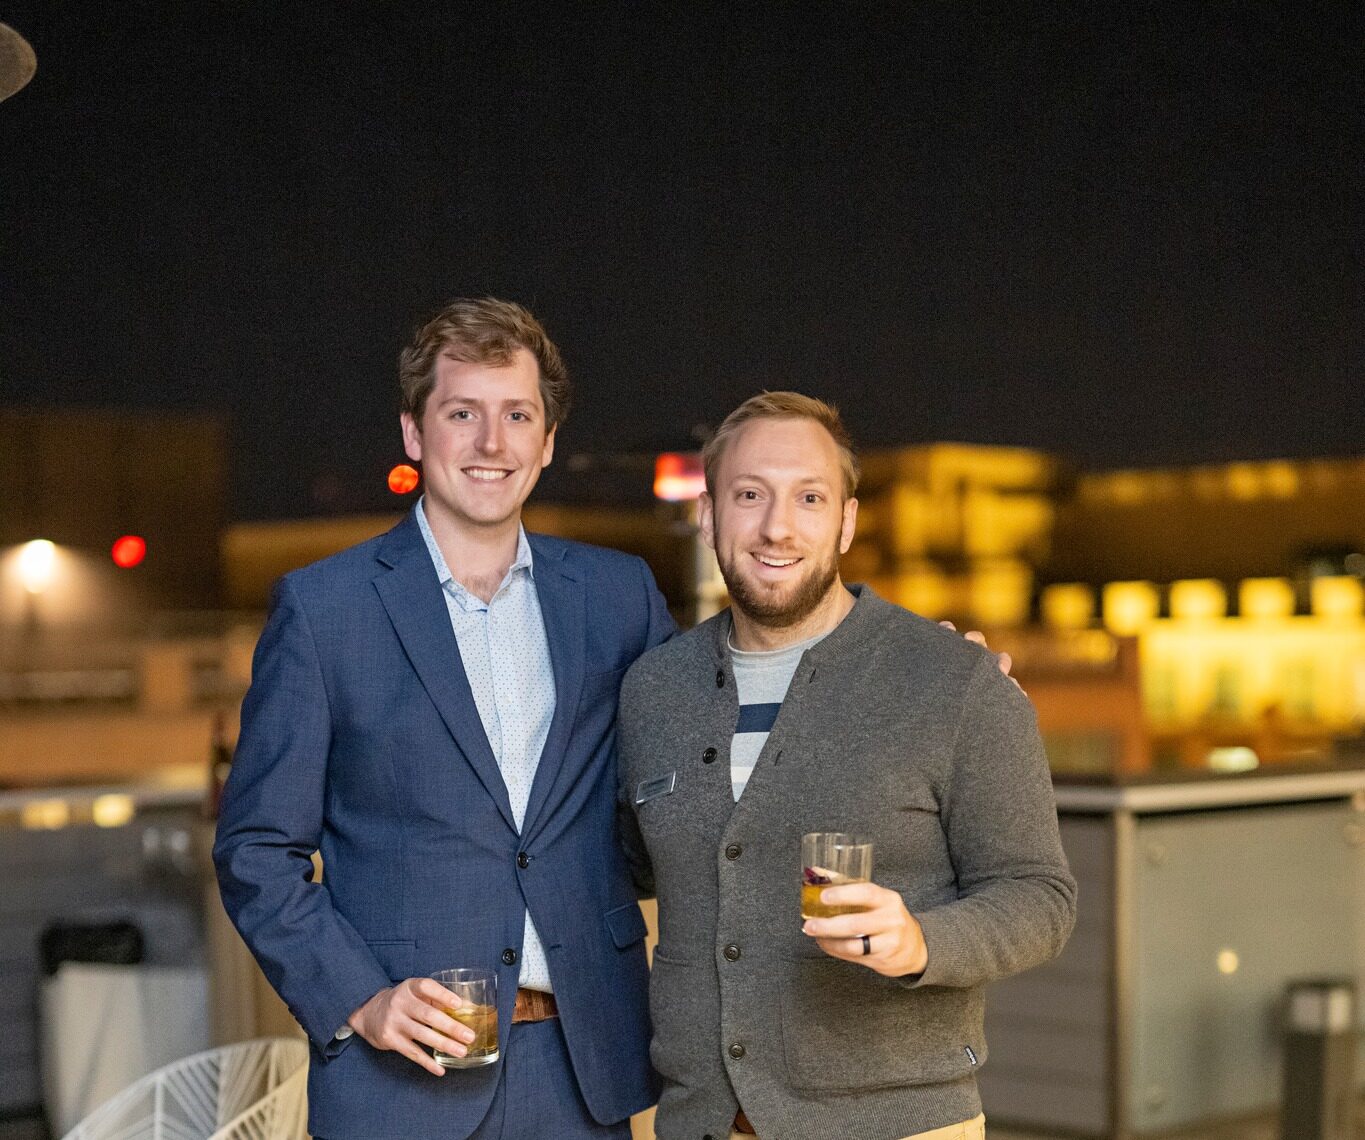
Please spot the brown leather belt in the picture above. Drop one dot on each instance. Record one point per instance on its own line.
(534, 1005)
(742, 1125)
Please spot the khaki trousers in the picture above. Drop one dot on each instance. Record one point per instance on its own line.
(967, 1130)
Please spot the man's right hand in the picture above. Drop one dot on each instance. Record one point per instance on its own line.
(409, 1015)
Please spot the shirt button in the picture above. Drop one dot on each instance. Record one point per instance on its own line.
(731, 953)
(509, 957)
(720, 678)
(709, 756)
(523, 860)
(737, 1050)
(733, 851)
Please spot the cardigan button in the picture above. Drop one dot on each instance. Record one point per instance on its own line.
(737, 1050)
(720, 678)
(731, 953)
(709, 756)
(734, 851)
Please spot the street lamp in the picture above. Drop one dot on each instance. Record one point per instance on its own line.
(37, 564)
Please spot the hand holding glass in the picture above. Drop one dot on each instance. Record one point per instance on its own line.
(831, 859)
(478, 1009)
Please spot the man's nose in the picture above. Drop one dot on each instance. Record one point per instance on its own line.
(777, 521)
(489, 440)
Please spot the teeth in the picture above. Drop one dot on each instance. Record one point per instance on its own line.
(485, 474)
(777, 562)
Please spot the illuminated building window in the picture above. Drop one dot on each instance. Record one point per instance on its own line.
(1198, 599)
(1265, 598)
(1297, 686)
(1338, 597)
(1129, 607)
(1227, 690)
(1070, 605)
(1161, 692)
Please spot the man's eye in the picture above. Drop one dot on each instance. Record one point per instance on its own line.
(810, 497)
(462, 414)
(520, 417)
(749, 496)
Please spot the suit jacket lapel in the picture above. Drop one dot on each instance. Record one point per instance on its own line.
(412, 596)
(563, 611)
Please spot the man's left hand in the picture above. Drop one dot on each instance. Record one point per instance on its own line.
(895, 943)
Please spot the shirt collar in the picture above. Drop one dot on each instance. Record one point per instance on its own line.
(521, 562)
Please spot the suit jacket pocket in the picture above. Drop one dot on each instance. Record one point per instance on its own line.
(845, 1028)
(627, 925)
(394, 955)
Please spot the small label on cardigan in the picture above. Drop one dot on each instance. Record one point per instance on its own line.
(651, 789)
(970, 1055)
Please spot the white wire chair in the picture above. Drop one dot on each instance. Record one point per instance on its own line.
(253, 1091)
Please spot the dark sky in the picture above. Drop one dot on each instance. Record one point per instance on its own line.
(1128, 233)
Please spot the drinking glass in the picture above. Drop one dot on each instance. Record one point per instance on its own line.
(477, 990)
(830, 859)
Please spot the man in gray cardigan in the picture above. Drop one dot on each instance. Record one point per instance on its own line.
(809, 706)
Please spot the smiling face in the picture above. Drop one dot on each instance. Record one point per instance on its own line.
(778, 522)
(482, 442)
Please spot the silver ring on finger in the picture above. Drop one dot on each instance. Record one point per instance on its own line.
(867, 945)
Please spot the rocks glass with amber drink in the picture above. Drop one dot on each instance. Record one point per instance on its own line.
(478, 993)
(831, 859)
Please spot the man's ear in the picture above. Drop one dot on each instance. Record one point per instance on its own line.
(549, 450)
(706, 519)
(850, 524)
(412, 437)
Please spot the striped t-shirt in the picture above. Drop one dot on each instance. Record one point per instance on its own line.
(762, 678)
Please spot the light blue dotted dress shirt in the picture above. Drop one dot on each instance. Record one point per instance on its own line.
(507, 660)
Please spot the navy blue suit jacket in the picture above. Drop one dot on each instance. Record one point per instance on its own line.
(360, 738)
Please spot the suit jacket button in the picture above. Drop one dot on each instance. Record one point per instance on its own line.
(733, 851)
(509, 957)
(523, 860)
(737, 1050)
(708, 756)
(731, 953)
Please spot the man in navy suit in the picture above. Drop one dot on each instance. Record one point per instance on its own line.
(434, 711)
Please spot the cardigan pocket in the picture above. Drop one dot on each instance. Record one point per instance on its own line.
(845, 1028)
(684, 1007)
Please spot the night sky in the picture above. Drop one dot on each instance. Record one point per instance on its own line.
(1128, 233)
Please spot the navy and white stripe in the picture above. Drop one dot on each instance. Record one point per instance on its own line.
(762, 679)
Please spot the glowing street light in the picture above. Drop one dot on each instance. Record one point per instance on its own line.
(37, 563)
(128, 551)
(403, 479)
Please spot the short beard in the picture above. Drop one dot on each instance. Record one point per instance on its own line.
(772, 612)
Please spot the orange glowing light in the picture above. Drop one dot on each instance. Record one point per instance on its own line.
(678, 477)
(128, 551)
(403, 479)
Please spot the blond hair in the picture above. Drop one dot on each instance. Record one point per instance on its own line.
(782, 406)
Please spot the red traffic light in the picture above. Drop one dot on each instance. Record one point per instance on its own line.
(403, 479)
(128, 551)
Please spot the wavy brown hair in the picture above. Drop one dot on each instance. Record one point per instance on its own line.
(482, 330)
